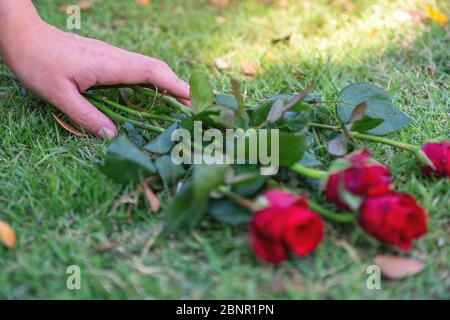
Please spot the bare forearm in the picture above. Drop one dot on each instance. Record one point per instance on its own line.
(15, 16)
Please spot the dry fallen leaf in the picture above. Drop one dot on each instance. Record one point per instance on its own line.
(143, 3)
(221, 64)
(374, 32)
(7, 235)
(107, 246)
(220, 3)
(436, 15)
(151, 197)
(397, 268)
(249, 68)
(68, 127)
(83, 5)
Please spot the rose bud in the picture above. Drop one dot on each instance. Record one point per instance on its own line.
(393, 218)
(360, 176)
(284, 225)
(439, 155)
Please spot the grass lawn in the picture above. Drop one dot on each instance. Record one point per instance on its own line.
(64, 210)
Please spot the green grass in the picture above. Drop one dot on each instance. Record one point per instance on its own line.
(61, 206)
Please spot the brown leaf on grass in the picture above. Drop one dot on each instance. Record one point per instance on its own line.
(220, 3)
(143, 3)
(107, 246)
(83, 5)
(67, 126)
(435, 15)
(7, 235)
(397, 268)
(249, 68)
(151, 197)
(374, 32)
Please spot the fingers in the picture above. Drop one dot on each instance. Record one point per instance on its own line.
(77, 108)
(185, 102)
(132, 68)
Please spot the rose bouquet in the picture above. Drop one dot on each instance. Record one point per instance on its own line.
(211, 178)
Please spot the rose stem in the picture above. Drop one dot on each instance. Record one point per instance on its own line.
(243, 202)
(115, 116)
(309, 172)
(368, 137)
(166, 99)
(337, 217)
(148, 115)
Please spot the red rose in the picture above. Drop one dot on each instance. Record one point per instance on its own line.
(285, 225)
(439, 155)
(362, 177)
(393, 218)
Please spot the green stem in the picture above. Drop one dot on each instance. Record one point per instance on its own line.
(337, 217)
(115, 116)
(309, 172)
(148, 115)
(166, 99)
(243, 202)
(368, 137)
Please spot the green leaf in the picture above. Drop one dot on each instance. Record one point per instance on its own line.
(183, 213)
(206, 178)
(225, 119)
(163, 143)
(169, 172)
(134, 135)
(251, 181)
(228, 212)
(125, 163)
(296, 121)
(227, 101)
(379, 105)
(292, 148)
(202, 96)
(309, 160)
(260, 112)
(366, 124)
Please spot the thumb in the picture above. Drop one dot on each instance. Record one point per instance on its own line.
(77, 108)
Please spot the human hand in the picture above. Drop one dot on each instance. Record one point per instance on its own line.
(58, 66)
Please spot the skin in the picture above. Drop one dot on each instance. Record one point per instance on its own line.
(58, 66)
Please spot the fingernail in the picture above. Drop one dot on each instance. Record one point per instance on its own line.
(106, 133)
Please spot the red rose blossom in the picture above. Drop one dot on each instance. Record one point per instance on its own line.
(439, 155)
(361, 178)
(393, 218)
(285, 225)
